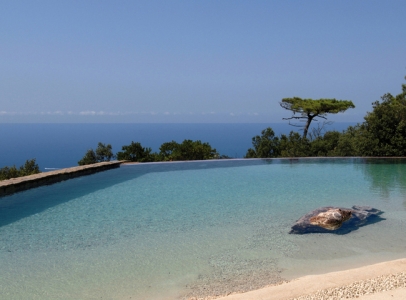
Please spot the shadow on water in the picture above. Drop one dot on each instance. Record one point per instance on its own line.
(24, 204)
(351, 225)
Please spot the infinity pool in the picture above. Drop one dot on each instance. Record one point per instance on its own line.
(178, 230)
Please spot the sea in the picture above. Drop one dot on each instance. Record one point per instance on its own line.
(56, 146)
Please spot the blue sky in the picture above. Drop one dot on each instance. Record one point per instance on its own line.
(195, 61)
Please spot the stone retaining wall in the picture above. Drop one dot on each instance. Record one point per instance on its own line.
(19, 184)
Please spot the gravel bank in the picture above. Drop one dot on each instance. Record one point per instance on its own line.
(359, 288)
(386, 280)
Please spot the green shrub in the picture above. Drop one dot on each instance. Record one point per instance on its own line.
(30, 167)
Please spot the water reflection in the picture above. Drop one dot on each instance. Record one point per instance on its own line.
(386, 176)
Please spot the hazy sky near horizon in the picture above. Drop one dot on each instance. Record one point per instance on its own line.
(195, 61)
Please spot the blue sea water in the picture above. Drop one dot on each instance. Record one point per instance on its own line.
(63, 145)
(193, 229)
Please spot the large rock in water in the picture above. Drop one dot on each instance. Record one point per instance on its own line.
(332, 219)
(336, 220)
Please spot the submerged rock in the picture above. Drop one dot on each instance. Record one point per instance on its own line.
(336, 220)
(332, 219)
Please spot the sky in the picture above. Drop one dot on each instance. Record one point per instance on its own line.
(195, 61)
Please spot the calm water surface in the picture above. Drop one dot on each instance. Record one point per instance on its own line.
(176, 230)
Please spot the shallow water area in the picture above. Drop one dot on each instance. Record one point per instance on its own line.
(178, 230)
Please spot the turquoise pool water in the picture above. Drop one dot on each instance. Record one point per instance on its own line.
(177, 230)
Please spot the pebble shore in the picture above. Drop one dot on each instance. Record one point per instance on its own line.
(359, 288)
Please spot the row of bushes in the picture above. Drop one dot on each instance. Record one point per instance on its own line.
(30, 167)
(170, 151)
